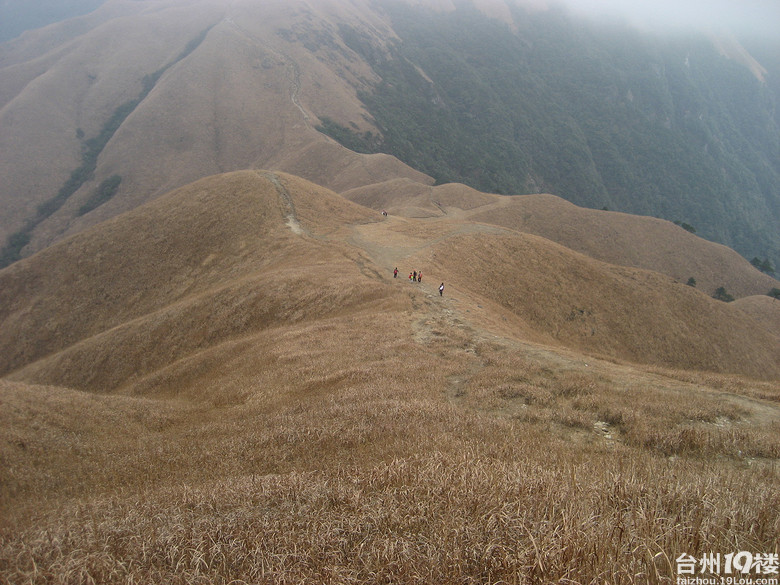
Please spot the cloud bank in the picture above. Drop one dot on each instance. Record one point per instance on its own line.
(751, 17)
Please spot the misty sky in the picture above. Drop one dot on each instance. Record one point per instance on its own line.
(746, 17)
(16, 16)
(743, 16)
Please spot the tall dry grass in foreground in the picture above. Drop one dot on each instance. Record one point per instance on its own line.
(378, 459)
(466, 517)
(284, 422)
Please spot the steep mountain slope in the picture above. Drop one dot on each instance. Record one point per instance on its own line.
(104, 112)
(603, 115)
(616, 238)
(228, 383)
(115, 95)
(66, 83)
(239, 254)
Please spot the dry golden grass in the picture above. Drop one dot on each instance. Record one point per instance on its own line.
(401, 196)
(248, 97)
(763, 308)
(376, 473)
(615, 238)
(654, 414)
(602, 309)
(630, 240)
(209, 261)
(273, 407)
(438, 518)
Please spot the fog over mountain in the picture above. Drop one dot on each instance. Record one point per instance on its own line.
(17, 16)
(631, 117)
(746, 18)
(749, 17)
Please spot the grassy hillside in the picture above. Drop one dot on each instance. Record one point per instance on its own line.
(140, 280)
(635, 241)
(371, 480)
(616, 238)
(64, 97)
(228, 384)
(185, 92)
(146, 279)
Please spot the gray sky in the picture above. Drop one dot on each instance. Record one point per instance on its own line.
(743, 16)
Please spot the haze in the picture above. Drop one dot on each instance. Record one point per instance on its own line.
(746, 17)
(17, 16)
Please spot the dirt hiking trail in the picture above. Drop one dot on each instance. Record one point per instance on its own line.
(461, 325)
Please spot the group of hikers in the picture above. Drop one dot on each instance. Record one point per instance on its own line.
(416, 276)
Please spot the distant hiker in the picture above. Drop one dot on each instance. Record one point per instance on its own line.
(395, 273)
(441, 289)
(419, 276)
(414, 276)
(410, 277)
(384, 213)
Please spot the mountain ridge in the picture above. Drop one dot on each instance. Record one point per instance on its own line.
(209, 372)
(174, 294)
(309, 63)
(613, 237)
(233, 363)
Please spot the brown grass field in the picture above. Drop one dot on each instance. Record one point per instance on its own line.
(248, 97)
(227, 385)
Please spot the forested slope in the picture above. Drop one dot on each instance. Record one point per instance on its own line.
(602, 115)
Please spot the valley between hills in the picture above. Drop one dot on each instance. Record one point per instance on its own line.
(208, 373)
(228, 385)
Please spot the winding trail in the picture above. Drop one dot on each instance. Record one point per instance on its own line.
(292, 69)
(459, 325)
(286, 202)
(454, 321)
(465, 328)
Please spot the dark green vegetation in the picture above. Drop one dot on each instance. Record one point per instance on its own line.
(365, 143)
(601, 115)
(763, 265)
(686, 226)
(722, 294)
(91, 149)
(104, 192)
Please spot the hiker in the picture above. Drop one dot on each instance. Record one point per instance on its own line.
(419, 276)
(395, 272)
(410, 277)
(414, 276)
(441, 289)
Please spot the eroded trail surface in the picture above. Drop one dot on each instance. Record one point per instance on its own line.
(395, 239)
(455, 320)
(472, 331)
